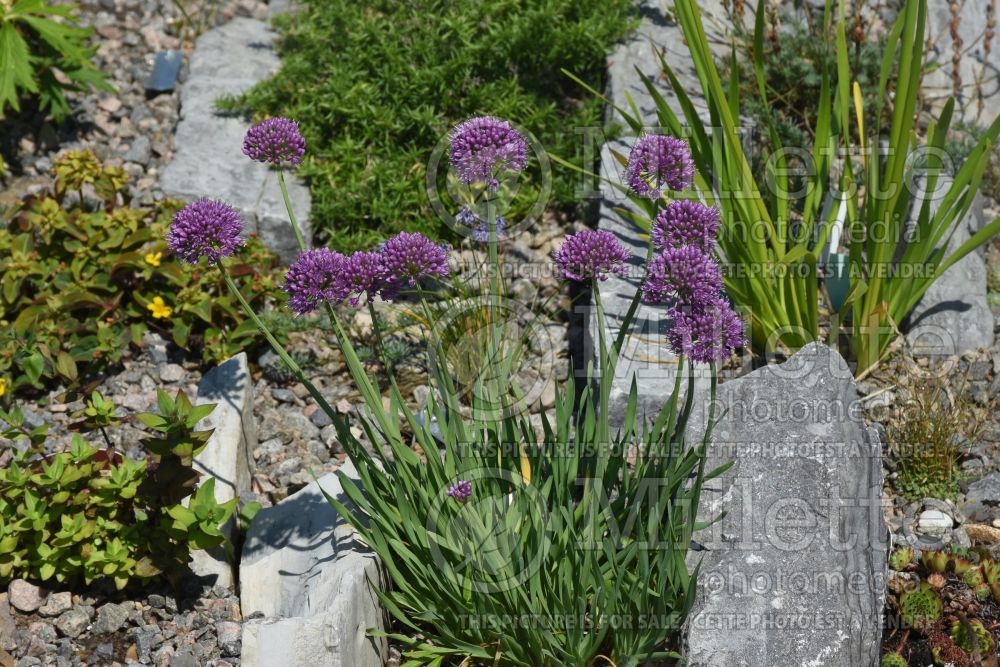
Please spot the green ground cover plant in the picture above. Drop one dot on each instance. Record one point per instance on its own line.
(375, 85)
(86, 514)
(83, 276)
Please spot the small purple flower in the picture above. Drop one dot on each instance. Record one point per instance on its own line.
(686, 274)
(480, 230)
(363, 275)
(657, 161)
(205, 228)
(686, 222)
(591, 254)
(461, 490)
(706, 332)
(409, 257)
(275, 141)
(483, 147)
(316, 276)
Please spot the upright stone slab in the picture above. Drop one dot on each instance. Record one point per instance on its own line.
(953, 316)
(795, 573)
(305, 571)
(226, 457)
(208, 161)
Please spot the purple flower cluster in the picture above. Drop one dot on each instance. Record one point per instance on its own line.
(591, 254)
(682, 275)
(316, 276)
(406, 258)
(205, 228)
(480, 230)
(484, 147)
(659, 161)
(275, 141)
(460, 491)
(322, 275)
(705, 332)
(686, 222)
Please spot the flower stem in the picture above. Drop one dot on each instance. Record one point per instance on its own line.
(288, 207)
(276, 346)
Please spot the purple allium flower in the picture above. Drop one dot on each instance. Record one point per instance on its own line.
(484, 146)
(686, 274)
(591, 254)
(686, 222)
(408, 257)
(205, 228)
(705, 332)
(275, 141)
(316, 276)
(657, 161)
(363, 275)
(461, 490)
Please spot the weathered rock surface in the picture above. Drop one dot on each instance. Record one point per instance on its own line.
(795, 572)
(209, 161)
(303, 569)
(227, 455)
(953, 316)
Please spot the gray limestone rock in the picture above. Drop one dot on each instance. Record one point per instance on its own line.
(795, 572)
(304, 570)
(209, 161)
(953, 316)
(227, 456)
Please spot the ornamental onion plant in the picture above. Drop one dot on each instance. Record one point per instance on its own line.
(507, 544)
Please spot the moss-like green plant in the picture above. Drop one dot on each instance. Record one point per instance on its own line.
(973, 577)
(960, 635)
(920, 606)
(893, 660)
(901, 558)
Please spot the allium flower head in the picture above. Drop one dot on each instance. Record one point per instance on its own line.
(483, 147)
(461, 490)
(659, 161)
(591, 254)
(205, 228)
(316, 276)
(275, 141)
(363, 275)
(706, 332)
(686, 274)
(409, 257)
(686, 222)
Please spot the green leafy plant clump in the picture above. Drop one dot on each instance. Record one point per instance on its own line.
(86, 514)
(80, 282)
(44, 53)
(375, 85)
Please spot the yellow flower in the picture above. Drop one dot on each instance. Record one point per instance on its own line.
(159, 308)
(3, 386)
(153, 258)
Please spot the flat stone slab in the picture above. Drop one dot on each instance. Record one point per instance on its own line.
(795, 572)
(226, 457)
(306, 572)
(209, 161)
